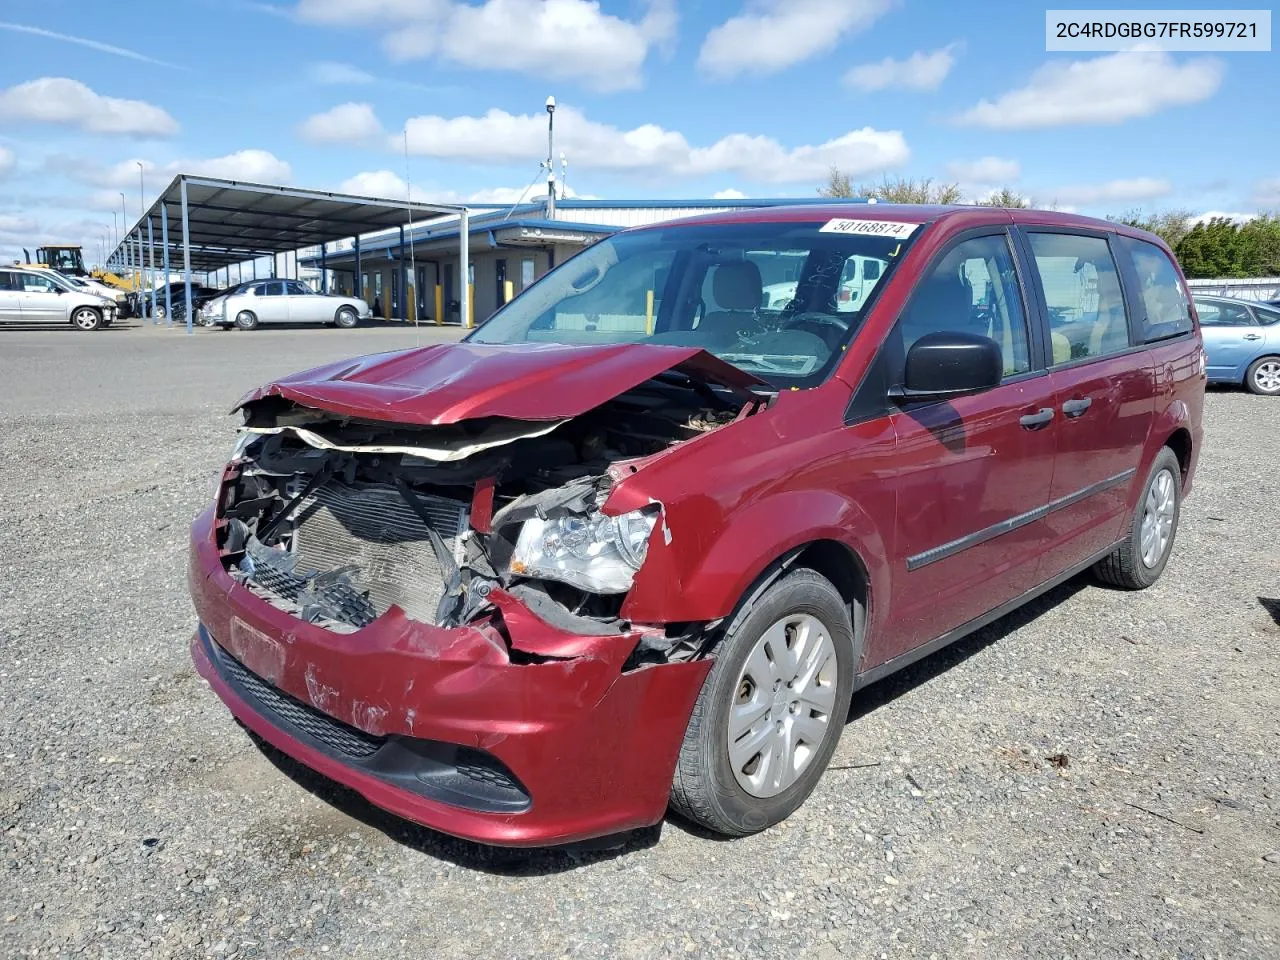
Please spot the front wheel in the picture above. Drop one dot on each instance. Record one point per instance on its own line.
(1138, 562)
(346, 318)
(771, 711)
(246, 320)
(1264, 376)
(86, 318)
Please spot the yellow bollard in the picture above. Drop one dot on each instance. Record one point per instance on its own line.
(648, 312)
(471, 306)
(508, 291)
(439, 304)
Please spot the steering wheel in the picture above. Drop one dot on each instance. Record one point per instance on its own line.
(825, 323)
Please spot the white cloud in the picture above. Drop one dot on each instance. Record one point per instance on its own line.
(1104, 90)
(389, 185)
(69, 102)
(729, 194)
(1221, 215)
(1114, 191)
(920, 71)
(84, 42)
(500, 137)
(253, 166)
(384, 184)
(771, 35)
(353, 123)
(6, 161)
(985, 170)
(550, 39)
(330, 73)
(1266, 193)
(17, 223)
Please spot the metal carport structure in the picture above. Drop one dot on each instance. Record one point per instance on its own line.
(222, 222)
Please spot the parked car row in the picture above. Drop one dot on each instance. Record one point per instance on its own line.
(30, 295)
(1242, 340)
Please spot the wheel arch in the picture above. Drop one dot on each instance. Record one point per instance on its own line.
(1181, 444)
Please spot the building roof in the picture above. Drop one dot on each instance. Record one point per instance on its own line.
(231, 221)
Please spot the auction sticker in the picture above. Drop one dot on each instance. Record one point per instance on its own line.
(870, 228)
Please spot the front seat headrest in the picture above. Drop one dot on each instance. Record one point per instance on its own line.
(736, 285)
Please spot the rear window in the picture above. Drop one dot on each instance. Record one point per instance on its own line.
(1168, 312)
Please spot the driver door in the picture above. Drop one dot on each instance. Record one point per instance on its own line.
(973, 474)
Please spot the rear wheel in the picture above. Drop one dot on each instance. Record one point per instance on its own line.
(86, 318)
(246, 320)
(1138, 562)
(771, 711)
(1264, 376)
(345, 318)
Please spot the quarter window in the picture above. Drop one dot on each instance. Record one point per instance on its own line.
(1168, 312)
(974, 289)
(1266, 316)
(1082, 293)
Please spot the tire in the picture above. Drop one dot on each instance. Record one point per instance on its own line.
(1263, 377)
(1138, 562)
(706, 788)
(345, 318)
(86, 318)
(246, 320)
(161, 313)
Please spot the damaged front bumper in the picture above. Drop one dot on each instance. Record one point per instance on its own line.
(508, 732)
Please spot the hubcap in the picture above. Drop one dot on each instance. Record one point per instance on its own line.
(782, 705)
(1157, 517)
(85, 318)
(1267, 376)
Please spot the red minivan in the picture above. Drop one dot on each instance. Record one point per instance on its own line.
(638, 540)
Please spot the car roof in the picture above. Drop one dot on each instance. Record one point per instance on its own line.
(908, 213)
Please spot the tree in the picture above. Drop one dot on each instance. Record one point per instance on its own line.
(895, 190)
(1170, 225)
(1004, 197)
(838, 186)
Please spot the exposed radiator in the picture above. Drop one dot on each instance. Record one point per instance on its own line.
(369, 532)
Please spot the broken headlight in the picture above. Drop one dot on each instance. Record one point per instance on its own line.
(593, 552)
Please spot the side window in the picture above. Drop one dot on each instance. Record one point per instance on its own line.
(273, 289)
(1168, 312)
(973, 289)
(296, 288)
(7, 281)
(1216, 313)
(1082, 292)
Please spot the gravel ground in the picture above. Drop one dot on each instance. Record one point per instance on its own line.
(1090, 777)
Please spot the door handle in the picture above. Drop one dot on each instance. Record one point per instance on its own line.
(1076, 408)
(1252, 336)
(1038, 419)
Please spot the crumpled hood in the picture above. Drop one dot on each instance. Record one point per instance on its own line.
(450, 382)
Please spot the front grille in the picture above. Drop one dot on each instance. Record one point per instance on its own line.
(278, 705)
(371, 531)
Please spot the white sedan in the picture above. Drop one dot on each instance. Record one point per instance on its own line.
(282, 301)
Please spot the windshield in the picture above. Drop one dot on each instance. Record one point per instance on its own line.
(775, 299)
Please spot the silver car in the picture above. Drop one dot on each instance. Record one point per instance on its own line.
(282, 301)
(41, 296)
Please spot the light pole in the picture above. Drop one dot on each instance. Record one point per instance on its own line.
(115, 229)
(551, 153)
(124, 219)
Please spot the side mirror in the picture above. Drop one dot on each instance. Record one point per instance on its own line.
(59, 291)
(950, 363)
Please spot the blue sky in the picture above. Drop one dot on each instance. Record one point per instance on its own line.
(657, 98)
